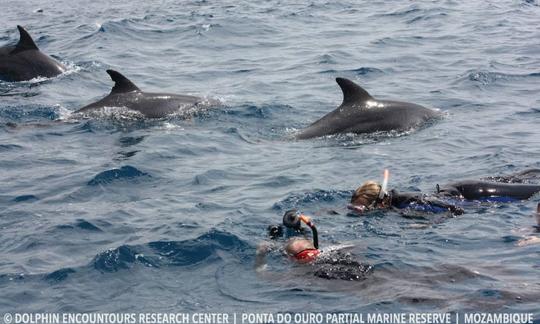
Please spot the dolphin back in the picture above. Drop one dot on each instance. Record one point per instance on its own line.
(152, 105)
(362, 113)
(25, 61)
(477, 190)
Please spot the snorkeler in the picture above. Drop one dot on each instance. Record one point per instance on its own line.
(329, 264)
(371, 195)
(301, 250)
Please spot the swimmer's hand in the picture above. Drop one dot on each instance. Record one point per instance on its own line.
(260, 256)
(306, 220)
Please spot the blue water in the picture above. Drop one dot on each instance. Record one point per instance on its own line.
(118, 215)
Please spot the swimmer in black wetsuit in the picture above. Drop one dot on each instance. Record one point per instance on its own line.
(331, 264)
(371, 195)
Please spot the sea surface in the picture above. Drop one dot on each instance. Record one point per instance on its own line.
(122, 214)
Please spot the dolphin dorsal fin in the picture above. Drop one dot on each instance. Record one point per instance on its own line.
(352, 92)
(121, 83)
(25, 42)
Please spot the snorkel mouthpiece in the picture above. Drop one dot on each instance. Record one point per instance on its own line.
(306, 220)
(357, 208)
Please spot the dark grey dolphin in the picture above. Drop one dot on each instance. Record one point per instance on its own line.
(151, 105)
(478, 189)
(361, 113)
(25, 61)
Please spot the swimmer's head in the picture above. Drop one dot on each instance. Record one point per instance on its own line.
(301, 250)
(366, 196)
(292, 220)
(297, 245)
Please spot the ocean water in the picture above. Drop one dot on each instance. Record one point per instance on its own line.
(118, 214)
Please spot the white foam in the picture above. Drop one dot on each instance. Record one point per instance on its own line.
(63, 112)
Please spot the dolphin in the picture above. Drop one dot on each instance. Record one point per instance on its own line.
(479, 189)
(361, 113)
(152, 105)
(25, 61)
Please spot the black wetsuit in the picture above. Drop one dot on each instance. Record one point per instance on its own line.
(337, 265)
(341, 266)
(418, 201)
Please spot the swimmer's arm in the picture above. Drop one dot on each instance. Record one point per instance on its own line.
(410, 198)
(452, 208)
(528, 241)
(260, 256)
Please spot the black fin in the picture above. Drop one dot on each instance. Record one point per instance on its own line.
(352, 92)
(121, 83)
(25, 42)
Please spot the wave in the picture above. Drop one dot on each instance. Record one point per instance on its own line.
(359, 71)
(265, 111)
(81, 224)
(308, 199)
(125, 173)
(9, 147)
(25, 198)
(59, 275)
(489, 78)
(27, 114)
(157, 254)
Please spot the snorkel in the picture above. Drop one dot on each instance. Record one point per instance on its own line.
(293, 219)
(307, 220)
(383, 193)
